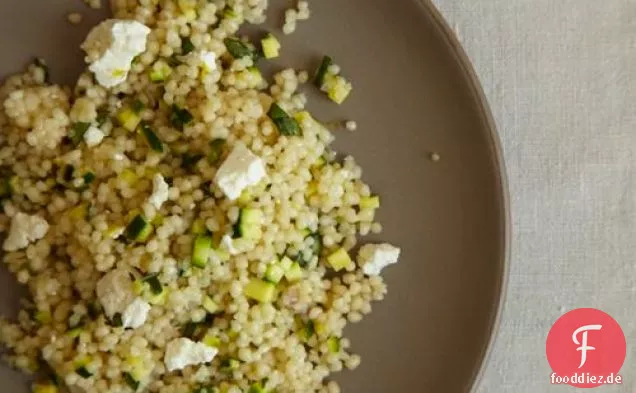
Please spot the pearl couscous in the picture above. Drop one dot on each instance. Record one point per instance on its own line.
(182, 227)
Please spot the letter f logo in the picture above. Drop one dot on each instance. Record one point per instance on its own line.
(583, 344)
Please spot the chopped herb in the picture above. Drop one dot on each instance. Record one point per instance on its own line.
(131, 381)
(216, 150)
(138, 229)
(189, 160)
(173, 61)
(67, 173)
(180, 117)
(319, 79)
(117, 321)
(155, 285)
(186, 46)
(102, 115)
(151, 138)
(286, 125)
(137, 106)
(5, 187)
(190, 329)
(83, 372)
(77, 132)
(229, 364)
(88, 178)
(39, 62)
(239, 49)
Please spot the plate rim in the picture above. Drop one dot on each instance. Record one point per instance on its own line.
(496, 146)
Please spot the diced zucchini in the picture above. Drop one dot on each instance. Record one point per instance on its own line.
(139, 287)
(245, 197)
(249, 224)
(137, 106)
(229, 364)
(307, 330)
(260, 290)
(114, 231)
(128, 118)
(153, 282)
(210, 305)
(158, 220)
(333, 344)
(316, 246)
(228, 13)
(116, 320)
(180, 117)
(212, 341)
(206, 389)
(160, 71)
(339, 259)
(186, 46)
(190, 160)
(188, 8)
(5, 188)
(129, 177)
(286, 125)
(239, 49)
(270, 46)
(151, 138)
(139, 229)
(43, 317)
(190, 329)
(372, 202)
(320, 162)
(274, 273)
(77, 132)
(337, 88)
(221, 254)
(131, 381)
(79, 212)
(41, 63)
(294, 273)
(159, 299)
(256, 388)
(179, 148)
(44, 388)
(216, 150)
(319, 78)
(14, 184)
(252, 77)
(82, 371)
(201, 250)
(198, 227)
(286, 263)
(320, 328)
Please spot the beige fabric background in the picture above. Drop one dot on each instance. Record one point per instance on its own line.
(560, 76)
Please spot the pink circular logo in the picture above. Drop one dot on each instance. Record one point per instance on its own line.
(586, 348)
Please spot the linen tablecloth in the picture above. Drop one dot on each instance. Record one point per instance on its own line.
(560, 76)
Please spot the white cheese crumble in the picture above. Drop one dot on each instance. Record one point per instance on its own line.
(241, 169)
(111, 48)
(183, 352)
(375, 257)
(160, 190)
(228, 244)
(93, 136)
(115, 292)
(24, 230)
(208, 60)
(135, 314)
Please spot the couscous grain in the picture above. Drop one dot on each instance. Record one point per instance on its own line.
(155, 263)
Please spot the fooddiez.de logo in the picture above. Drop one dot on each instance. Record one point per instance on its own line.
(586, 348)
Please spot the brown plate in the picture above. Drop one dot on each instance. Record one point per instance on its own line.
(415, 93)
